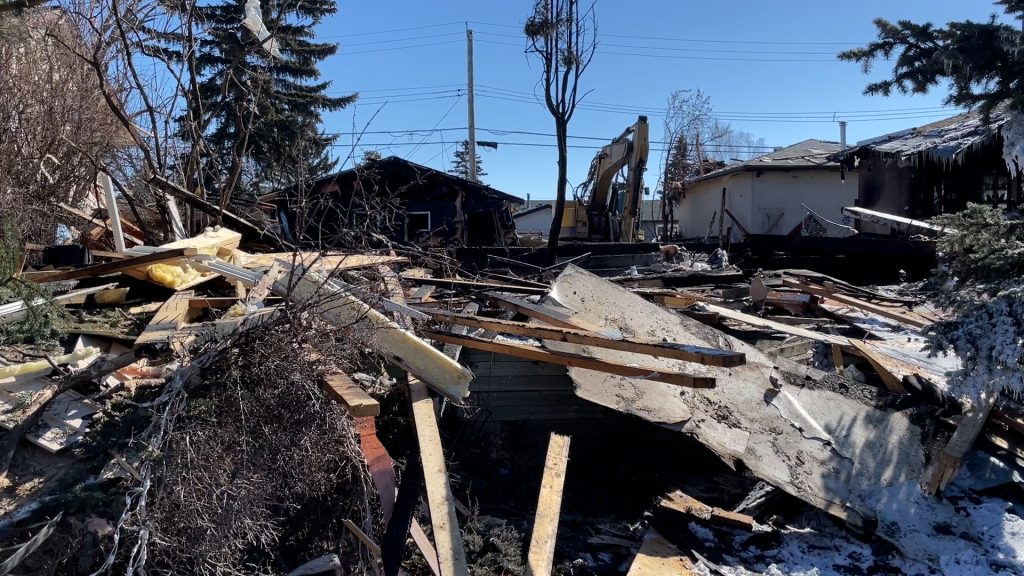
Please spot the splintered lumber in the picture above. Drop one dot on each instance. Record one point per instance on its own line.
(901, 316)
(110, 267)
(531, 310)
(549, 505)
(576, 360)
(772, 325)
(366, 540)
(450, 550)
(944, 468)
(167, 320)
(14, 311)
(689, 505)
(453, 351)
(880, 363)
(261, 290)
(342, 389)
(829, 450)
(339, 307)
(173, 189)
(676, 300)
(327, 262)
(700, 355)
(658, 557)
(457, 283)
(178, 275)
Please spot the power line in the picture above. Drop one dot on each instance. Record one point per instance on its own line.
(678, 57)
(695, 40)
(348, 53)
(679, 49)
(403, 39)
(524, 144)
(377, 32)
(434, 129)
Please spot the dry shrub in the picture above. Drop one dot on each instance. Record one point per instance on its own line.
(260, 470)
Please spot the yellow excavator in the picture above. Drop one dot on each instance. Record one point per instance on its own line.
(612, 210)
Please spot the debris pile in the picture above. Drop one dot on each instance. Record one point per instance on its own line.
(208, 409)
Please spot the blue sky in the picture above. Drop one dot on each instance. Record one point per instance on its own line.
(408, 62)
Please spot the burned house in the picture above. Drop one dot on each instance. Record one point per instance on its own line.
(934, 169)
(404, 201)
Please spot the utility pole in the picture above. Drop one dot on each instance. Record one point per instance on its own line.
(471, 124)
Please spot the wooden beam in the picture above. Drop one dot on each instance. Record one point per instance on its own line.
(339, 307)
(110, 267)
(698, 354)
(567, 359)
(342, 389)
(946, 466)
(531, 310)
(173, 189)
(658, 557)
(167, 320)
(540, 558)
(772, 325)
(893, 382)
(689, 505)
(362, 537)
(262, 288)
(458, 283)
(113, 214)
(903, 317)
(450, 550)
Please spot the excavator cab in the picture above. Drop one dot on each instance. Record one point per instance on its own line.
(612, 208)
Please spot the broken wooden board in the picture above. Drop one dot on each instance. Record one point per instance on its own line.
(339, 307)
(824, 448)
(945, 467)
(122, 265)
(577, 360)
(168, 319)
(658, 557)
(897, 358)
(322, 262)
(450, 550)
(14, 311)
(900, 315)
(541, 555)
(342, 389)
(547, 314)
(474, 285)
(178, 275)
(772, 325)
(689, 505)
(697, 354)
(61, 425)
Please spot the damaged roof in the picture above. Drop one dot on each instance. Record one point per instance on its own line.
(811, 154)
(944, 140)
(419, 173)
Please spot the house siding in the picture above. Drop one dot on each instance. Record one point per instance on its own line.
(767, 202)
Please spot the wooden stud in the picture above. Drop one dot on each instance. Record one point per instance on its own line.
(342, 389)
(451, 552)
(698, 354)
(370, 544)
(167, 320)
(110, 267)
(689, 505)
(458, 283)
(576, 360)
(549, 505)
(944, 468)
(892, 382)
(658, 557)
(530, 310)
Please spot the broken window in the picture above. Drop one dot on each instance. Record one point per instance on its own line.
(417, 226)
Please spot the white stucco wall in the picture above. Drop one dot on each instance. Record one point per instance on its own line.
(765, 204)
(538, 222)
(704, 199)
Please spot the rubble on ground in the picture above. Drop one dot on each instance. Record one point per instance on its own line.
(200, 408)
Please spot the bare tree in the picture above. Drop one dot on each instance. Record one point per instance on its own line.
(564, 38)
(54, 126)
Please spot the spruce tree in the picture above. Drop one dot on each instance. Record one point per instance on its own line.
(982, 61)
(460, 167)
(267, 108)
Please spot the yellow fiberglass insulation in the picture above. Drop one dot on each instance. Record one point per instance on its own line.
(172, 275)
